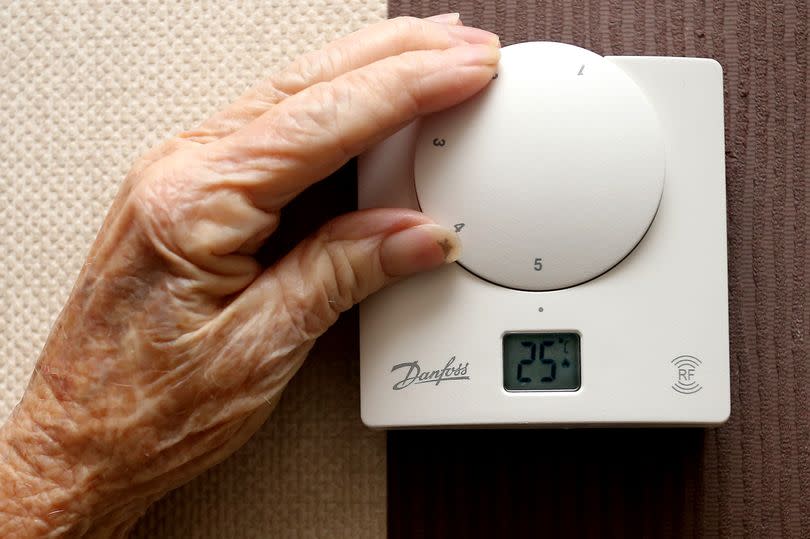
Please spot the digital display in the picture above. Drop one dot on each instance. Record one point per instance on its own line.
(541, 362)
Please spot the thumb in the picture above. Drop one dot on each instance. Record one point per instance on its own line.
(348, 259)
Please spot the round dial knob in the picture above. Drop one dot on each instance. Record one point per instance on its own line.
(552, 174)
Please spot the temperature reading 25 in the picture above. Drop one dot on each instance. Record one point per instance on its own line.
(541, 361)
(551, 363)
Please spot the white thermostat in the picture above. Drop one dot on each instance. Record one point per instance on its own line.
(589, 195)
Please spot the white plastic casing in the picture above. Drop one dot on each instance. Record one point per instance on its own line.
(653, 328)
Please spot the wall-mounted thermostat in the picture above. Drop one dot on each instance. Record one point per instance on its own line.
(589, 195)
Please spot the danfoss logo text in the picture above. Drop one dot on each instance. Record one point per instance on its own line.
(413, 374)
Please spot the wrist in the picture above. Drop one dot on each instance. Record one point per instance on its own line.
(38, 493)
(54, 481)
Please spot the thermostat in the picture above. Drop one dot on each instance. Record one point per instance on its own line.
(589, 195)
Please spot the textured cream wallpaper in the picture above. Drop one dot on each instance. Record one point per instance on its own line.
(84, 88)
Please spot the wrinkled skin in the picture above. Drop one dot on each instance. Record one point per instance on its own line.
(175, 343)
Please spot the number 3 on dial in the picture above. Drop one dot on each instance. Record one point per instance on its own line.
(538, 264)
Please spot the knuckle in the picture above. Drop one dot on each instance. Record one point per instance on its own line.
(410, 31)
(319, 281)
(344, 278)
(403, 81)
(174, 145)
(333, 278)
(162, 200)
(305, 311)
(302, 323)
(156, 196)
(308, 69)
(156, 153)
(379, 84)
(328, 96)
(321, 114)
(268, 93)
(200, 221)
(329, 63)
(295, 77)
(339, 289)
(407, 25)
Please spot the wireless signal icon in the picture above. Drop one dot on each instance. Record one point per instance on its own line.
(686, 368)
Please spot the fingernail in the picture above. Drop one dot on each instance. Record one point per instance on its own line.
(470, 34)
(445, 18)
(419, 248)
(475, 54)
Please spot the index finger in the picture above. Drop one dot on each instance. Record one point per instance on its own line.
(311, 134)
(360, 48)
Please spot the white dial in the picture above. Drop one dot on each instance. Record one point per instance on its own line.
(552, 174)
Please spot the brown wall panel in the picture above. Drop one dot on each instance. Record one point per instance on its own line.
(750, 477)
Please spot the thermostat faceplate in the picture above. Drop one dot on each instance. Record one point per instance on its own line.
(644, 343)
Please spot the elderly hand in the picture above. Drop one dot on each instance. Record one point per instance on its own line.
(175, 343)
